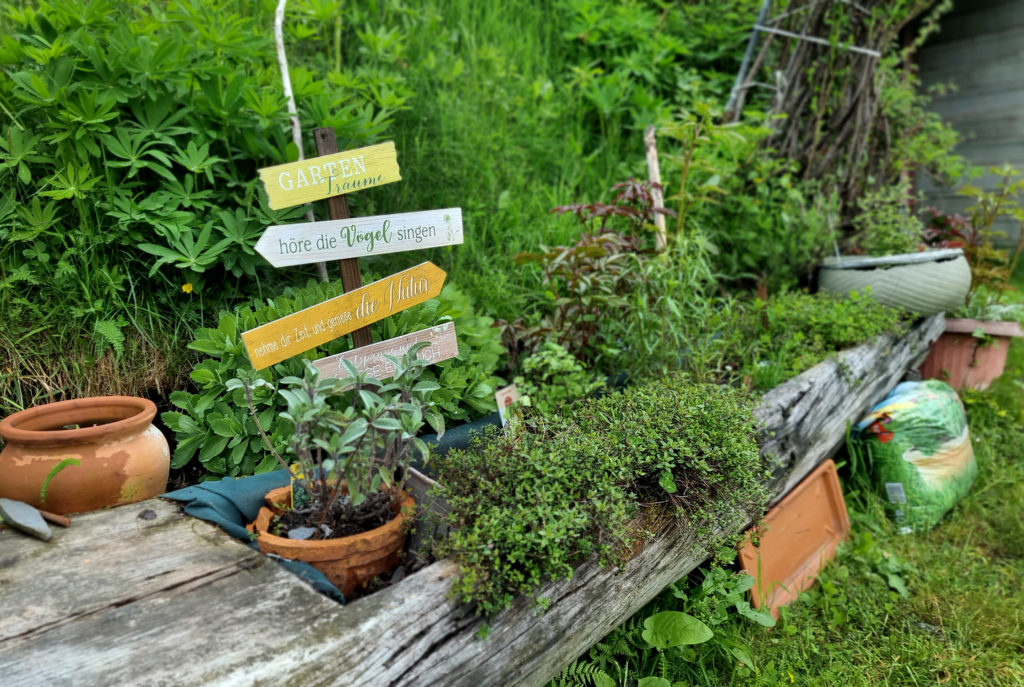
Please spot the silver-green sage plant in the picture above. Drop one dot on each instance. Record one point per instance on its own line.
(365, 443)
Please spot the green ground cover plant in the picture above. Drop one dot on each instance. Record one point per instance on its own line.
(792, 332)
(584, 477)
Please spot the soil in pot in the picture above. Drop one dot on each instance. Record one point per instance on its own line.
(372, 513)
(349, 562)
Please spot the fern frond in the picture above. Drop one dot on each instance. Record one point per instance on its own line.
(108, 333)
(581, 674)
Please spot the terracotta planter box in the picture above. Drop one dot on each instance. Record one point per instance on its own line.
(799, 536)
(965, 361)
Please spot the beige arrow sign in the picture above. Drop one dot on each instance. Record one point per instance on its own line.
(442, 345)
(318, 324)
(321, 177)
(337, 239)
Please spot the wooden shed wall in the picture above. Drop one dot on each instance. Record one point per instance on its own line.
(980, 51)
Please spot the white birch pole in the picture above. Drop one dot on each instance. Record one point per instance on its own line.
(654, 174)
(293, 113)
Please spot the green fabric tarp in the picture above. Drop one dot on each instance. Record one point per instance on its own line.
(232, 503)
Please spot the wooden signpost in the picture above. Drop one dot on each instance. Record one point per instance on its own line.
(284, 245)
(442, 346)
(316, 325)
(321, 177)
(331, 175)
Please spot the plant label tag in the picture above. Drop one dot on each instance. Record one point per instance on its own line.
(318, 324)
(442, 346)
(336, 174)
(338, 239)
(505, 397)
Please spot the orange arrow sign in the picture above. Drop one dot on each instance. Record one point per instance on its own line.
(316, 325)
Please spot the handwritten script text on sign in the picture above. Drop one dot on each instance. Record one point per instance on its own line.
(318, 324)
(442, 345)
(308, 242)
(330, 175)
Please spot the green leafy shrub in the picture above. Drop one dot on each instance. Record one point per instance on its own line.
(553, 378)
(216, 425)
(131, 136)
(529, 505)
(764, 224)
(583, 284)
(792, 332)
(668, 322)
(633, 63)
(885, 224)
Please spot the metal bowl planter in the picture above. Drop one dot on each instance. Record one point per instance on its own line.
(927, 282)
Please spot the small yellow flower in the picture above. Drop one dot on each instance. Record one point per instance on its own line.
(1001, 413)
(187, 287)
(791, 676)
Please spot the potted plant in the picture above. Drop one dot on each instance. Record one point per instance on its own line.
(346, 511)
(972, 351)
(894, 268)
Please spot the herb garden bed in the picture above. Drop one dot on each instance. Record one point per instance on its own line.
(144, 595)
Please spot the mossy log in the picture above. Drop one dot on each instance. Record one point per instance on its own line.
(144, 595)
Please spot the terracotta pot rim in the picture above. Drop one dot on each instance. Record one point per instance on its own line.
(959, 325)
(39, 426)
(325, 546)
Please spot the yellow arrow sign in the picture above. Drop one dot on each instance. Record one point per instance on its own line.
(330, 175)
(316, 325)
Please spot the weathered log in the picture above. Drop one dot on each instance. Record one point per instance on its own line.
(127, 598)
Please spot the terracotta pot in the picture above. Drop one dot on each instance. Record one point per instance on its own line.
(348, 562)
(800, 535)
(965, 361)
(122, 457)
(926, 282)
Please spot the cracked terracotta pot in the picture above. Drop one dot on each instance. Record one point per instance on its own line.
(122, 458)
(348, 562)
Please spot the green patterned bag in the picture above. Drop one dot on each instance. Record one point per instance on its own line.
(918, 448)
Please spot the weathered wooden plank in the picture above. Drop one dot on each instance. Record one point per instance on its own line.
(144, 595)
(103, 550)
(236, 626)
(805, 419)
